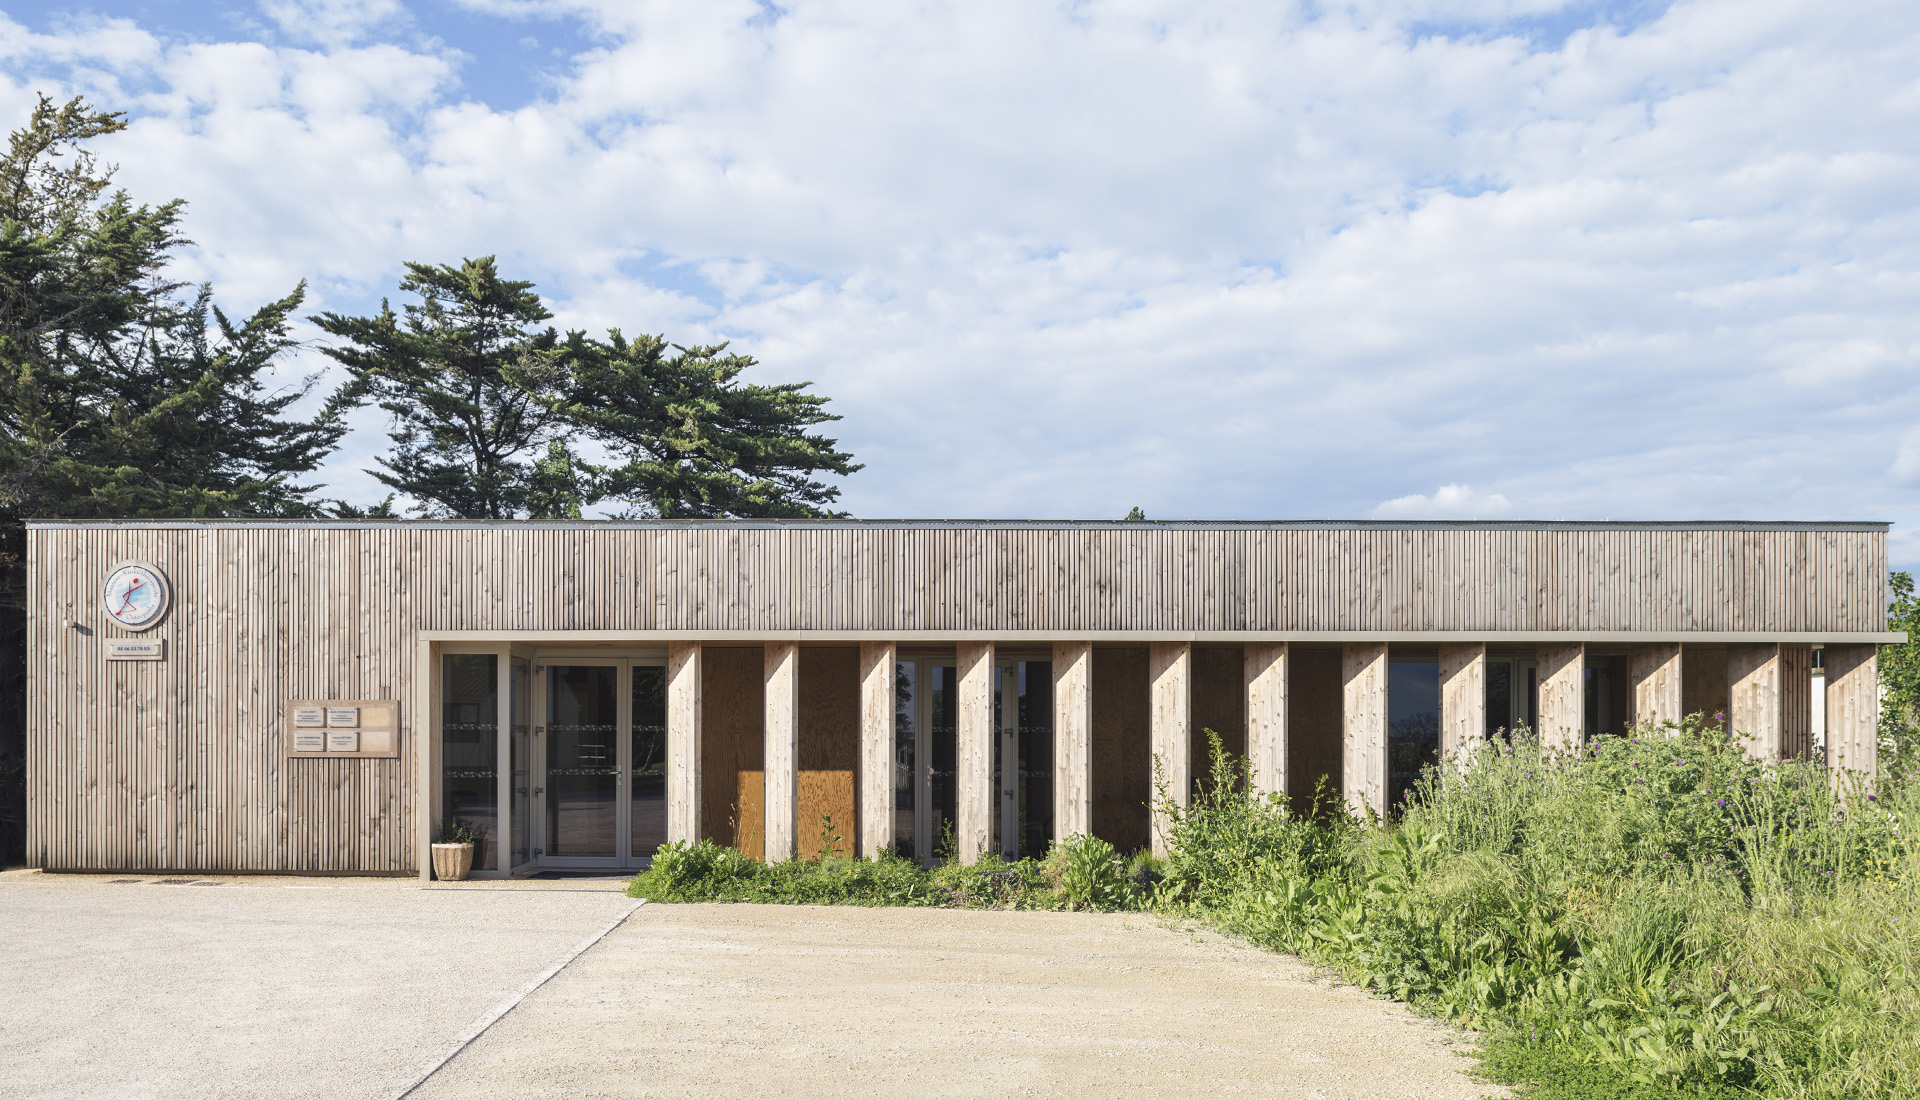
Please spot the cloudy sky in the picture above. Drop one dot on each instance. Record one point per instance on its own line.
(1385, 258)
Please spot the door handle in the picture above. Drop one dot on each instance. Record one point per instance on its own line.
(539, 790)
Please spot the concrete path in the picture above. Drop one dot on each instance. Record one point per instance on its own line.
(305, 988)
(260, 987)
(776, 1001)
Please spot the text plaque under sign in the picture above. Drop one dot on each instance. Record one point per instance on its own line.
(130, 649)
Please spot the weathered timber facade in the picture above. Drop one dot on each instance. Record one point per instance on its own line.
(1076, 651)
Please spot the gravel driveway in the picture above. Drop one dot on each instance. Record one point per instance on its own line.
(349, 990)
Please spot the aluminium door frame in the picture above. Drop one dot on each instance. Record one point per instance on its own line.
(623, 748)
(624, 858)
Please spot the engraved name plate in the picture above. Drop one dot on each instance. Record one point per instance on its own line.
(343, 718)
(309, 740)
(147, 649)
(309, 716)
(343, 740)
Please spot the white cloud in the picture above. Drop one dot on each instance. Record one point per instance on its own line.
(1217, 259)
(1906, 464)
(1447, 502)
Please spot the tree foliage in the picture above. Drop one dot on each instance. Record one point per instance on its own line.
(492, 414)
(470, 380)
(124, 393)
(695, 440)
(1900, 681)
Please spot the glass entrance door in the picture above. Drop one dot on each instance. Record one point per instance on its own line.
(926, 691)
(582, 804)
(600, 792)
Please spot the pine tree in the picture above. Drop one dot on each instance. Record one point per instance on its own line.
(491, 412)
(122, 393)
(697, 441)
(471, 382)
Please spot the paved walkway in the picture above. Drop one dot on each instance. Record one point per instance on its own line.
(305, 988)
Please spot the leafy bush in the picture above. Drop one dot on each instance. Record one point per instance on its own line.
(1658, 913)
(1090, 874)
(709, 872)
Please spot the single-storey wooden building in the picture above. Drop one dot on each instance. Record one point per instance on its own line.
(314, 697)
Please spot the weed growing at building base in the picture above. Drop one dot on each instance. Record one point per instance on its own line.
(1079, 873)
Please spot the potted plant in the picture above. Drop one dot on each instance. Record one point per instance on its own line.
(453, 849)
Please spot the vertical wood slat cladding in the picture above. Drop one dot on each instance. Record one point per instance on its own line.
(1796, 686)
(173, 764)
(1853, 712)
(1463, 697)
(877, 735)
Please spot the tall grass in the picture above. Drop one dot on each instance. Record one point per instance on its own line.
(1657, 913)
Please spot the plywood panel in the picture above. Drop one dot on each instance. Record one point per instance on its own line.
(829, 748)
(733, 715)
(1122, 766)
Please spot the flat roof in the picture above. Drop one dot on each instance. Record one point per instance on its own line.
(979, 524)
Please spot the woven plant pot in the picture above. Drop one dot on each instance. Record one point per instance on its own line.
(452, 862)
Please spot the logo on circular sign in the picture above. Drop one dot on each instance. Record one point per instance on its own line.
(135, 595)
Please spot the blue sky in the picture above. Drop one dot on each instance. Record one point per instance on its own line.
(1394, 258)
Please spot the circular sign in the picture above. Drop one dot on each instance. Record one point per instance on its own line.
(135, 595)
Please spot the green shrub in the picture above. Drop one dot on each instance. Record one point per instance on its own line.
(1069, 877)
(1090, 874)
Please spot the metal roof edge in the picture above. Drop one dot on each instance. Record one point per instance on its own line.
(957, 524)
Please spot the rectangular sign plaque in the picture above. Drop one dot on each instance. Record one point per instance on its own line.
(341, 728)
(136, 649)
